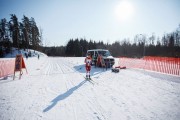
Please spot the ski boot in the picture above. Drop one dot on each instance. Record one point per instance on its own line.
(89, 77)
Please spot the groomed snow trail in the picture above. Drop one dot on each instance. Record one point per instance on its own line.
(55, 89)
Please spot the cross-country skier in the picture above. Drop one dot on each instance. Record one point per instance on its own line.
(88, 62)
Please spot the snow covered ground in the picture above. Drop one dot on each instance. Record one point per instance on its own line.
(55, 89)
(15, 51)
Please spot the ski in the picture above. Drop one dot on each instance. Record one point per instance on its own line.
(93, 81)
(89, 80)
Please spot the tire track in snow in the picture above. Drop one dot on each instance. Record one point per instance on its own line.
(114, 98)
(91, 104)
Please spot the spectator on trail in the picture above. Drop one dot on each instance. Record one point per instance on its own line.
(38, 56)
(26, 55)
(88, 61)
(99, 60)
(29, 53)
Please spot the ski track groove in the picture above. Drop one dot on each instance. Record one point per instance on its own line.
(74, 111)
(97, 110)
(64, 70)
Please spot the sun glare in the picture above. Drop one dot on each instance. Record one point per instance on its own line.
(124, 10)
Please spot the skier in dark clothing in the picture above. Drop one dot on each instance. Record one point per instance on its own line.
(38, 56)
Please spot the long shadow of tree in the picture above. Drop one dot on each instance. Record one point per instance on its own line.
(63, 96)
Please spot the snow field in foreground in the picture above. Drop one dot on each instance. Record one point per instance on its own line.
(55, 88)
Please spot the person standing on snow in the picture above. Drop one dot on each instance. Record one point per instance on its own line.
(38, 56)
(88, 62)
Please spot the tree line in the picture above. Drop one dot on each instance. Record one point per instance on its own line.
(21, 35)
(167, 46)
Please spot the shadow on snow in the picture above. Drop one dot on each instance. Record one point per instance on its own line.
(63, 96)
(81, 69)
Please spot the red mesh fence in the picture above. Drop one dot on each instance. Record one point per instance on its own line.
(6, 67)
(159, 64)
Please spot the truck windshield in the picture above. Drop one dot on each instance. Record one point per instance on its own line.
(104, 53)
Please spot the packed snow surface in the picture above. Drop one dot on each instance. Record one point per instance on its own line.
(55, 89)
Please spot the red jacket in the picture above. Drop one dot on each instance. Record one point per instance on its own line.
(88, 61)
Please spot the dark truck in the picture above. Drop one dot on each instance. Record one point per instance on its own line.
(107, 57)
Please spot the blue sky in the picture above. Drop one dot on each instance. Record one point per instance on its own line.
(107, 20)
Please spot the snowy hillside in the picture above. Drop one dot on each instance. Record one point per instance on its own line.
(55, 89)
(33, 53)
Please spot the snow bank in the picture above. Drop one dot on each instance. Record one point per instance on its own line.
(15, 51)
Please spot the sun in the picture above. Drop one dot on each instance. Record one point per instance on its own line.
(124, 10)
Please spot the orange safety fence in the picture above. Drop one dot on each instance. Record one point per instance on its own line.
(7, 67)
(160, 64)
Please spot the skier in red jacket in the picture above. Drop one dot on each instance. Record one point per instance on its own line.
(88, 62)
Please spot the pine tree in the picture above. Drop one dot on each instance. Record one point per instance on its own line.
(15, 30)
(26, 30)
(35, 35)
